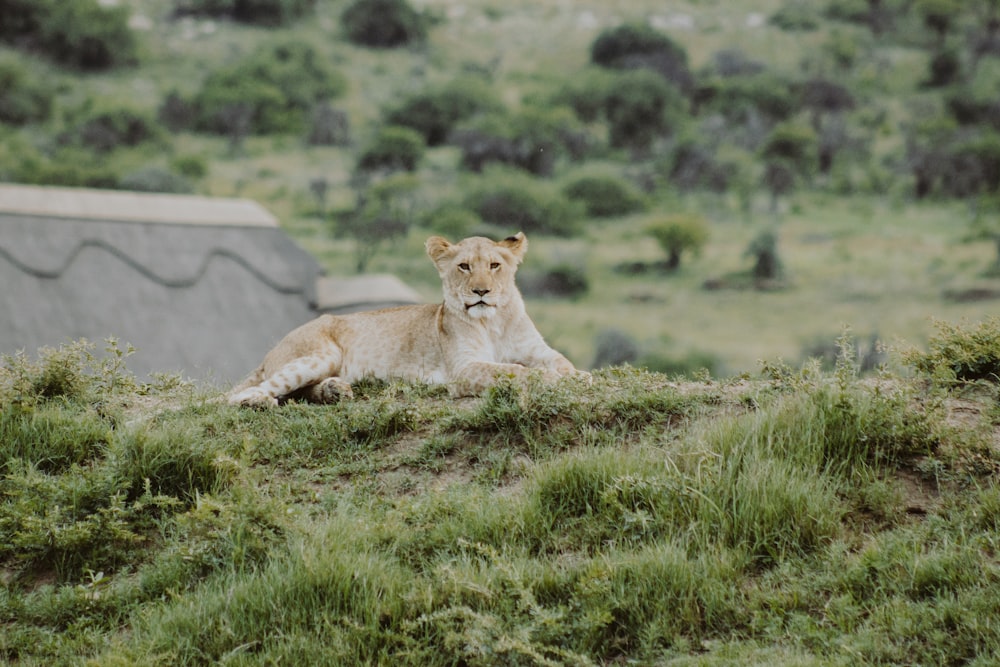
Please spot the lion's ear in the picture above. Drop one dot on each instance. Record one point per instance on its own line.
(437, 247)
(517, 244)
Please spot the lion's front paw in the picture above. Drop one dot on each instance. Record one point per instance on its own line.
(254, 397)
(331, 390)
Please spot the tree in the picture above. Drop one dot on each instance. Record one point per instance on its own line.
(939, 15)
(789, 153)
(383, 24)
(79, 33)
(259, 12)
(26, 98)
(384, 212)
(277, 87)
(764, 250)
(640, 46)
(436, 111)
(394, 148)
(678, 234)
(641, 107)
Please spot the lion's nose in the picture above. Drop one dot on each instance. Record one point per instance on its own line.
(481, 292)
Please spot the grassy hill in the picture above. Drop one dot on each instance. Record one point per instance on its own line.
(797, 518)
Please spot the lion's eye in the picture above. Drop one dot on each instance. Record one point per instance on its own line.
(463, 266)
(494, 266)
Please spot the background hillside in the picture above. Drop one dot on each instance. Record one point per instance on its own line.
(854, 142)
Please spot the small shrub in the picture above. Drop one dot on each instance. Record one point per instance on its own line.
(384, 23)
(678, 234)
(155, 179)
(614, 348)
(944, 69)
(27, 97)
(586, 93)
(694, 166)
(641, 107)
(259, 12)
(605, 196)
(190, 166)
(177, 113)
(435, 112)
(70, 167)
(105, 131)
(517, 201)
(741, 99)
(393, 148)
(763, 248)
(451, 220)
(564, 281)
(795, 15)
(79, 33)
(273, 90)
(531, 139)
(631, 46)
(329, 127)
(961, 353)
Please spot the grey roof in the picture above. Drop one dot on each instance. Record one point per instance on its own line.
(199, 286)
(348, 294)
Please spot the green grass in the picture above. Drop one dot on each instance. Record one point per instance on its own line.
(798, 517)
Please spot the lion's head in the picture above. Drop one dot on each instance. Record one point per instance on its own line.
(477, 273)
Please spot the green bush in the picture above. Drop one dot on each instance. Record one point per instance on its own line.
(963, 353)
(67, 167)
(795, 15)
(605, 196)
(740, 99)
(641, 107)
(434, 112)
(27, 97)
(155, 179)
(103, 131)
(944, 69)
(517, 201)
(631, 46)
(260, 12)
(274, 90)
(383, 23)
(532, 139)
(451, 220)
(693, 166)
(79, 33)
(393, 148)
(678, 234)
(586, 93)
(563, 281)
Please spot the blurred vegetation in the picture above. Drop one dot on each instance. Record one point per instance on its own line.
(824, 121)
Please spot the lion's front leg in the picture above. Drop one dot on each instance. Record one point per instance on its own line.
(476, 378)
(311, 374)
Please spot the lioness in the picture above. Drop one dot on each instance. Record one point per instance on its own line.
(480, 331)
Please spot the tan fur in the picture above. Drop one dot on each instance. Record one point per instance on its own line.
(480, 332)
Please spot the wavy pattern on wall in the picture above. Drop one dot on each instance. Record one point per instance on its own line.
(145, 271)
